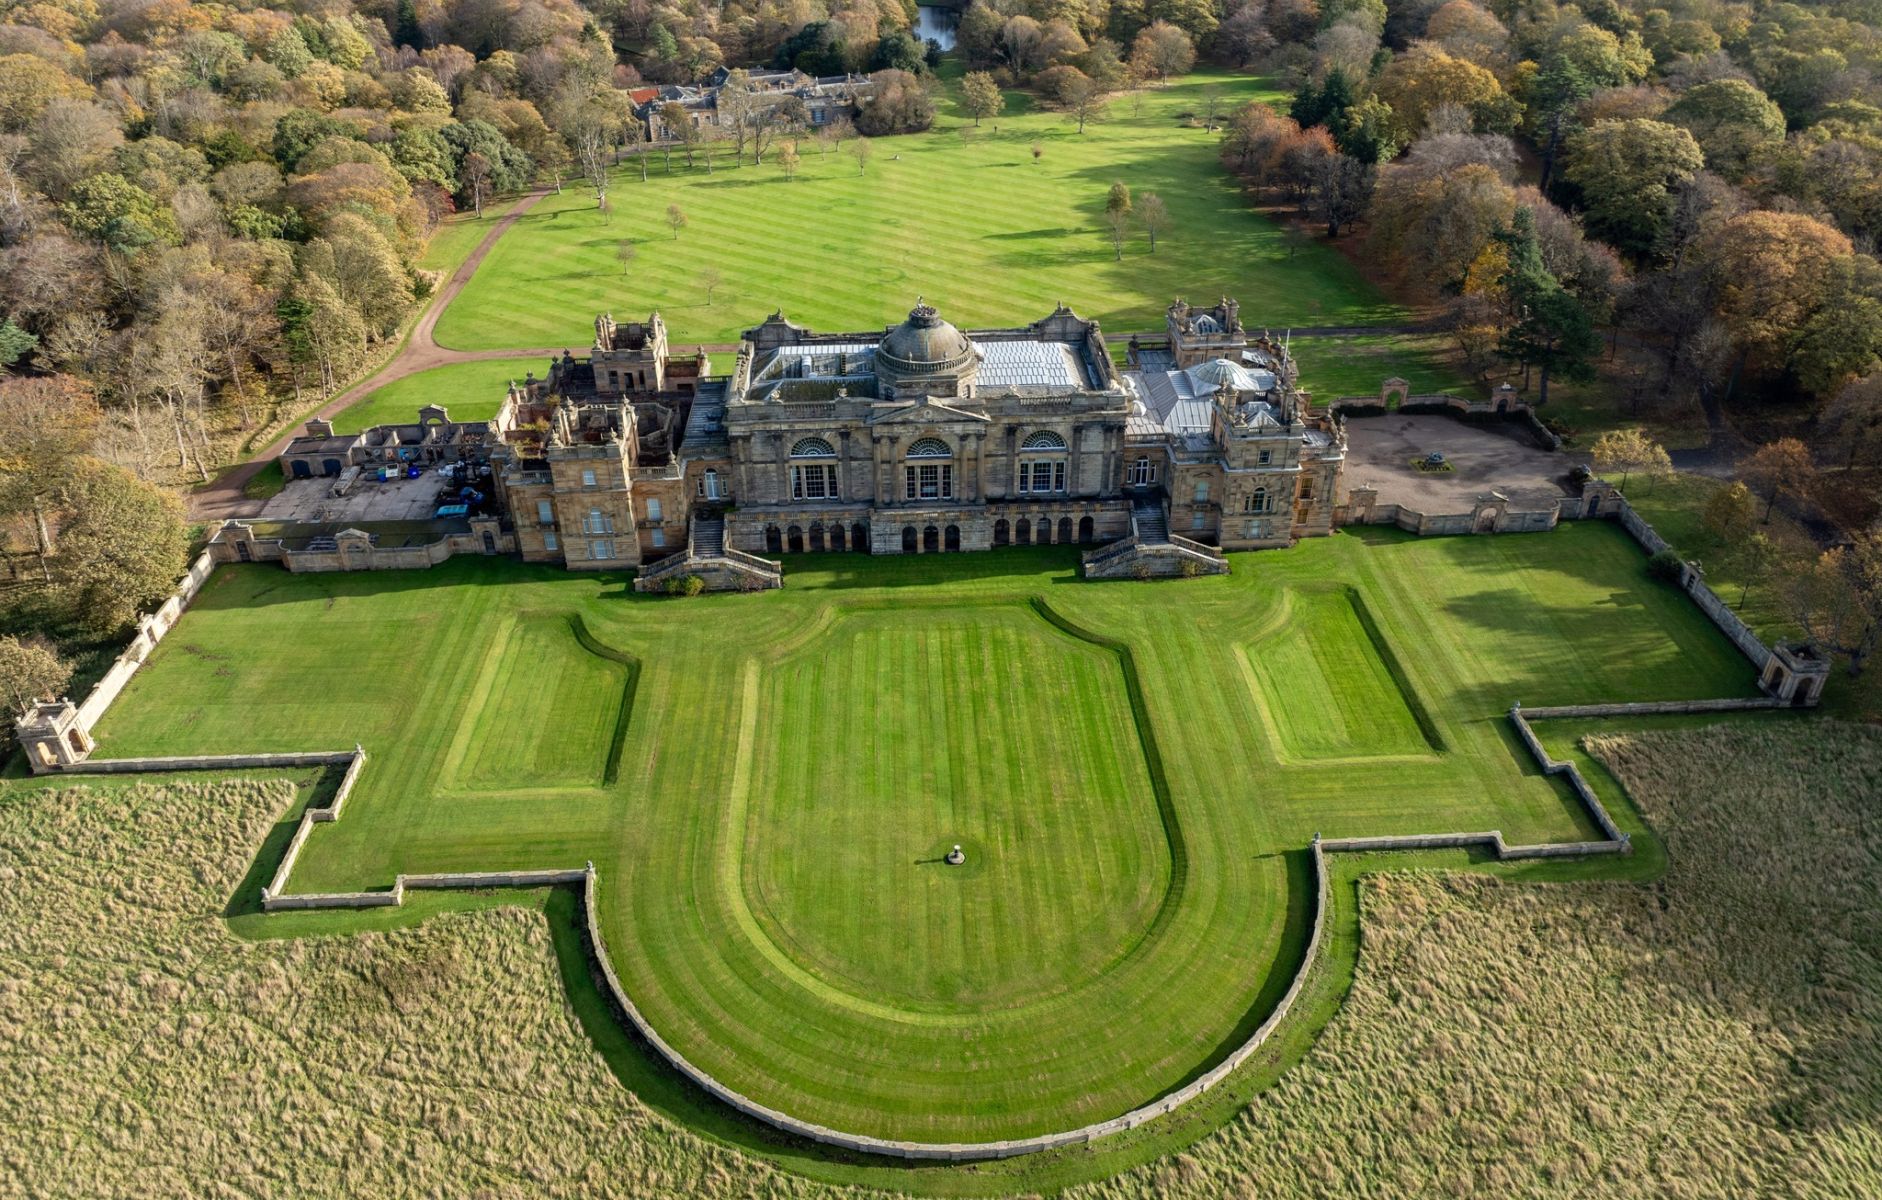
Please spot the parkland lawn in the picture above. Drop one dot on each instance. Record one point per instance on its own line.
(767, 782)
(963, 215)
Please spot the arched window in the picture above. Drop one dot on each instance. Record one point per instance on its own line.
(1207, 324)
(813, 480)
(1258, 500)
(1002, 532)
(1022, 532)
(929, 479)
(1045, 475)
(1065, 530)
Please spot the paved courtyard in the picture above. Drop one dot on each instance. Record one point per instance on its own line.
(307, 501)
(1381, 451)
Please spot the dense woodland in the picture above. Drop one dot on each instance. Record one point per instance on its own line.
(213, 214)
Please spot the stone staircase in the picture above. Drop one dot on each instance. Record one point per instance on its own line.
(1149, 524)
(1152, 551)
(718, 566)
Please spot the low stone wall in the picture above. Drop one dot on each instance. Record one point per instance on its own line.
(209, 762)
(152, 628)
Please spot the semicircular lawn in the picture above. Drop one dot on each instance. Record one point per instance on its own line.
(762, 819)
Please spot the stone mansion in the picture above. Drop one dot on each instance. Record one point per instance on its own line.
(919, 439)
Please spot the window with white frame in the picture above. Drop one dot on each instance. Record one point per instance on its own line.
(709, 485)
(545, 513)
(658, 539)
(1256, 501)
(1143, 473)
(601, 549)
(597, 522)
(1041, 476)
(811, 479)
(1265, 457)
(1202, 491)
(653, 508)
(588, 477)
(549, 540)
(932, 479)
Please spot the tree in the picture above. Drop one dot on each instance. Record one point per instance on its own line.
(1734, 123)
(1162, 50)
(1628, 172)
(1836, 599)
(898, 103)
(473, 179)
(709, 280)
(1339, 188)
(122, 544)
(1436, 219)
(676, 220)
(861, 149)
(1118, 199)
(1155, 216)
(1853, 419)
(788, 161)
(625, 253)
(1771, 274)
(1548, 328)
(1118, 221)
(676, 126)
(46, 422)
(1423, 79)
(981, 96)
(1627, 451)
(1730, 515)
(1083, 102)
(1752, 555)
(30, 671)
(1783, 466)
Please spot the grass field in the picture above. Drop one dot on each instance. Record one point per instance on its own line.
(965, 216)
(473, 391)
(761, 847)
(1714, 1033)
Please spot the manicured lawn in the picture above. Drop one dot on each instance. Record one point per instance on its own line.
(1355, 365)
(794, 761)
(472, 391)
(964, 216)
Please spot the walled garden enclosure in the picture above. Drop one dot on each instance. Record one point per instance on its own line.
(752, 895)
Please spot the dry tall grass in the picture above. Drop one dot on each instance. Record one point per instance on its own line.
(1718, 1033)
(145, 1051)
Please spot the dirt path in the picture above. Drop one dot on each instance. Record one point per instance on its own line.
(223, 498)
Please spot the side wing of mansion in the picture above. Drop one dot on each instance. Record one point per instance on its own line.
(922, 438)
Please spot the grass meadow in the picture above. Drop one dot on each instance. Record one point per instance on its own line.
(1499, 1033)
(963, 215)
(765, 838)
(473, 391)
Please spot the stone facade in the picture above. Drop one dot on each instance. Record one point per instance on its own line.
(920, 438)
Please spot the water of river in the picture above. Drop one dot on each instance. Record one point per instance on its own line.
(937, 25)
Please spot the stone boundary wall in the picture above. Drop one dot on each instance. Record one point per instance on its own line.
(151, 629)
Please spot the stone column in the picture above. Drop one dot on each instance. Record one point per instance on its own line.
(1012, 461)
(976, 486)
(845, 485)
(1073, 487)
(783, 493)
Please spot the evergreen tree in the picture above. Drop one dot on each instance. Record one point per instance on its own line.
(1549, 328)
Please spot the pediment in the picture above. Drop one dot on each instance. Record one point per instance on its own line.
(923, 412)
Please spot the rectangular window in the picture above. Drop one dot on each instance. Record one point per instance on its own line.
(597, 522)
(588, 478)
(1265, 457)
(600, 550)
(1058, 476)
(1202, 492)
(1306, 489)
(1198, 521)
(545, 513)
(549, 540)
(653, 509)
(659, 539)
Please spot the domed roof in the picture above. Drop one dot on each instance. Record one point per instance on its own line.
(924, 342)
(1212, 375)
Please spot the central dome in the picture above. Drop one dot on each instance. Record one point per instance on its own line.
(925, 350)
